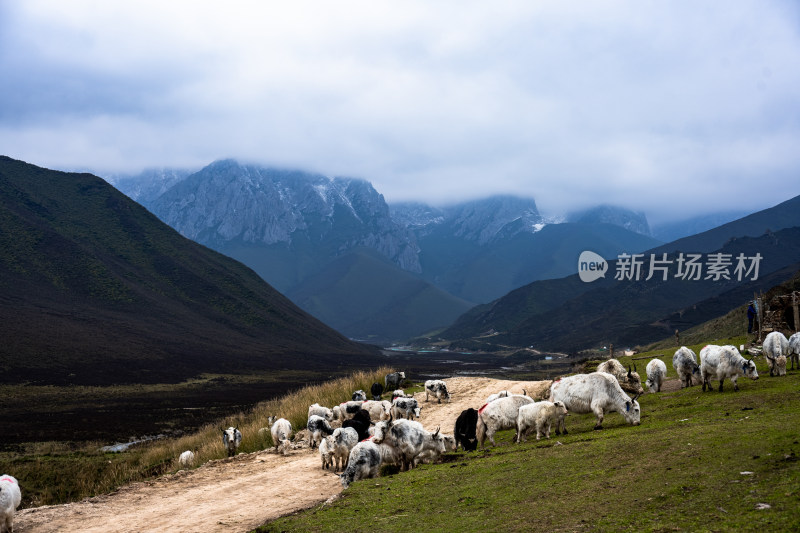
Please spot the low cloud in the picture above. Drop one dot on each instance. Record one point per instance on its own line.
(669, 108)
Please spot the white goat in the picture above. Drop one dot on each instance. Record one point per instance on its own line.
(10, 498)
(186, 459)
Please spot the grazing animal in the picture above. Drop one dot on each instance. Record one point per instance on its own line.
(378, 410)
(499, 414)
(346, 410)
(464, 431)
(410, 439)
(317, 409)
(363, 462)
(629, 379)
(794, 349)
(231, 438)
(432, 456)
(186, 459)
(359, 396)
(360, 422)
(540, 416)
(436, 388)
(376, 390)
(326, 450)
(344, 439)
(389, 454)
(392, 381)
(496, 395)
(400, 393)
(10, 498)
(720, 362)
(318, 428)
(776, 347)
(656, 374)
(685, 364)
(598, 393)
(405, 408)
(281, 431)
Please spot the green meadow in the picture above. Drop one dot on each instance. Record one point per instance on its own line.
(698, 462)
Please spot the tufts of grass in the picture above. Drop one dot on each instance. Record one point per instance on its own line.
(55, 472)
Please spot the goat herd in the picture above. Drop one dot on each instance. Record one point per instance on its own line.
(379, 432)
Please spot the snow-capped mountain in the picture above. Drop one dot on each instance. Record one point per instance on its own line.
(617, 216)
(230, 202)
(480, 221)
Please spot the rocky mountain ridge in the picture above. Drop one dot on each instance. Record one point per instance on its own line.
(228, 201)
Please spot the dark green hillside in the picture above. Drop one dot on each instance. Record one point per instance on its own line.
(362, 293)
(95, 289)
(734, 321)
(568, 315)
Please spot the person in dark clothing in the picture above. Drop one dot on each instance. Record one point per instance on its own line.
(751, 314)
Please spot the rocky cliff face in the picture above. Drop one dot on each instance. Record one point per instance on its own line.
(228, 201)
(617, 216)
(480, 221)
(150, 184)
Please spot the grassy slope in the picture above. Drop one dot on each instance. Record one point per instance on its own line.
(125, 298)
(59, 472)
(680, 470)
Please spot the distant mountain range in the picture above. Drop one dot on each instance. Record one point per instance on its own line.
(607, 214)
(567, 314)
(308, 235)
(94, 289)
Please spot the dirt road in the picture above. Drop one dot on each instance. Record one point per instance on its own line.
(239, 494)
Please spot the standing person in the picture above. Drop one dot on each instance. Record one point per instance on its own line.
(751, 314)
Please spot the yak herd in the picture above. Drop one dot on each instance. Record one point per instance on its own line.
(377, 432)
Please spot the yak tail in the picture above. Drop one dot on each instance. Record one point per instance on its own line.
(480, 431)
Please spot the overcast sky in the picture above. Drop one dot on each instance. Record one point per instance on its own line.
(670, 107)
